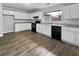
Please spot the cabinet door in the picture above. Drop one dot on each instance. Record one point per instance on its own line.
(41, 28)
(38, 28)
(68, 36)
(48, 30)
(44, 29)
(21, 15)
(8, 12)
(20, 27)
(28, 26)
(66, 12)
(75, 11)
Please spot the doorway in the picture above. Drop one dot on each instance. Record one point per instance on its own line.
(8, 23)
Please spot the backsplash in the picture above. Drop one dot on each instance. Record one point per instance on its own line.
(24, 20)
(71, 21)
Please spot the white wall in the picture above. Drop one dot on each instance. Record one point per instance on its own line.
(71, 21)
(13, 9)
(1, 23)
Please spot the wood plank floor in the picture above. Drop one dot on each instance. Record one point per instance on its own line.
(33, 44)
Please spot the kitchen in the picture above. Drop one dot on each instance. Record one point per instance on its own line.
(52, 21)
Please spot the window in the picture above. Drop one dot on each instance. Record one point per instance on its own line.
(55, 15)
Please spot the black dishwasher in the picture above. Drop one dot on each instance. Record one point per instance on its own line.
(56, 32)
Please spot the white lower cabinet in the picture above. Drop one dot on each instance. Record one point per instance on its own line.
(38, 28)
(28, 26)
(21, 15)
(77, 38)
(48, 30)
(44, 29)
(68, 36)
(22, 26)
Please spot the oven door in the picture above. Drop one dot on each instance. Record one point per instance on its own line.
(34, 27)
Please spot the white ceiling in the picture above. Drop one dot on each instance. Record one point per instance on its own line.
(29, 7)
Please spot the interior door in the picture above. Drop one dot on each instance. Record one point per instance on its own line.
(8, 23)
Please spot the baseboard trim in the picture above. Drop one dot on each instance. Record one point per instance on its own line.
(73, 44)
(23, 31)
(7, 32)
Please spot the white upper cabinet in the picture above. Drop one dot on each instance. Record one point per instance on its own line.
(75, 11)
(17, 15)
(21, 15)
(66, 12)
(71, 11)
(40, 14)
(8, 12)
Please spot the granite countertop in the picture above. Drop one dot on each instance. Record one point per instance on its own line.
(62, 24)
(54, 24)
(23, 22)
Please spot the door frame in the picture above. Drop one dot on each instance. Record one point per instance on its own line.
(13, 23)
